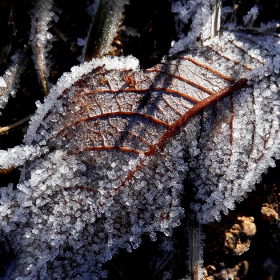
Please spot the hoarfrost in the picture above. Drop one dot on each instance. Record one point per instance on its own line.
(106, 154)
(251, 16)
(199, 12)
(40, 39)
(9, 81)
(99, 132)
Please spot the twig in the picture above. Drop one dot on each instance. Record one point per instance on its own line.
(196, 242)
(40, 40)
(7, 128)
(104, 27)
(9, 81)
(216, 17)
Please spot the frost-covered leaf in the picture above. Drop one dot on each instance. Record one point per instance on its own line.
(118, 143)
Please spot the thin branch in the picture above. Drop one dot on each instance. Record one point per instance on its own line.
(39, 40)
(9, 81)
(104, 27)
(216, 6)
(7, 128)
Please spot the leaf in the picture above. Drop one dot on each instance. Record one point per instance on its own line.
(239, 134)
(118, 143)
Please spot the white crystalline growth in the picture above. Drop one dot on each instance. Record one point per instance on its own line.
(239, 134)
(18, 155)
(65, 232)
(66, 81)
(39, 38)
(2, 82)
(76, 204)
(199, 12)
(9, 81)
(251, 16)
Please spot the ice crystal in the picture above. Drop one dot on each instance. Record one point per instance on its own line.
(9, 81)
(200, 14)
(116, 144)
(40, 39)
(251, 16)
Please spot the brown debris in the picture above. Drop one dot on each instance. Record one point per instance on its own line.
(205, 275)
(237, 272)
(205, 271)
(269, 213)
(238, 237)
(6, 170)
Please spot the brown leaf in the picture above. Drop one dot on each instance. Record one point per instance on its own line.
(122, 142)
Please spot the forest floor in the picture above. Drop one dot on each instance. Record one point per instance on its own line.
(232, 246)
